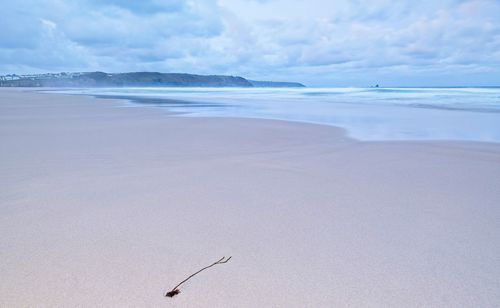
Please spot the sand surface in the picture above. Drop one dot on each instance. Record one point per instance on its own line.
(103, 206)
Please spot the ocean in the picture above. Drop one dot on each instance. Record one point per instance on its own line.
(369, 114)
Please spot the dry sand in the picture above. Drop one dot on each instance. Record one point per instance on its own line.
(102, 206)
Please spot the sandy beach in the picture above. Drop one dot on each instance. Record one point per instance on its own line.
(105, 206)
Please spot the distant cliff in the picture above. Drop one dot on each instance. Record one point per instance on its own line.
(136, 79)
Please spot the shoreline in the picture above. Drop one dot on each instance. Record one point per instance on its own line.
(389, 129)
(113, 206)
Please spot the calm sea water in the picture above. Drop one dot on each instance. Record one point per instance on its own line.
(366, 113)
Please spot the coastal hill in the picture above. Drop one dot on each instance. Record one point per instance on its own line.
(136, 79)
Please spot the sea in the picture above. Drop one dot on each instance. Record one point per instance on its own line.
(368, 114)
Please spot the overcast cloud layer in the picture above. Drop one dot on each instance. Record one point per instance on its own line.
(318, 42)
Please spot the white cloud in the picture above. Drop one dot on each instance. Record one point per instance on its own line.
(317, 41)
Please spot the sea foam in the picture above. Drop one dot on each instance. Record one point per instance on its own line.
(370, 114)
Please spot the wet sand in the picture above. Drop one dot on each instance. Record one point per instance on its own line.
(108, 206)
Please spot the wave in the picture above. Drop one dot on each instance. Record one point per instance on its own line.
(367, 113)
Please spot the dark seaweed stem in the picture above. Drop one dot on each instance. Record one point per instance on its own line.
(176, 291)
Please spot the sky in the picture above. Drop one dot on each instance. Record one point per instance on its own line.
(316, 42)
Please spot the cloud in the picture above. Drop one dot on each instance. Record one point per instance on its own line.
(319, 41)
(147, 7)
(373, 38)
(107, 35)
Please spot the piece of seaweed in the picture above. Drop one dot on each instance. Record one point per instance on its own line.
(176, 291)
